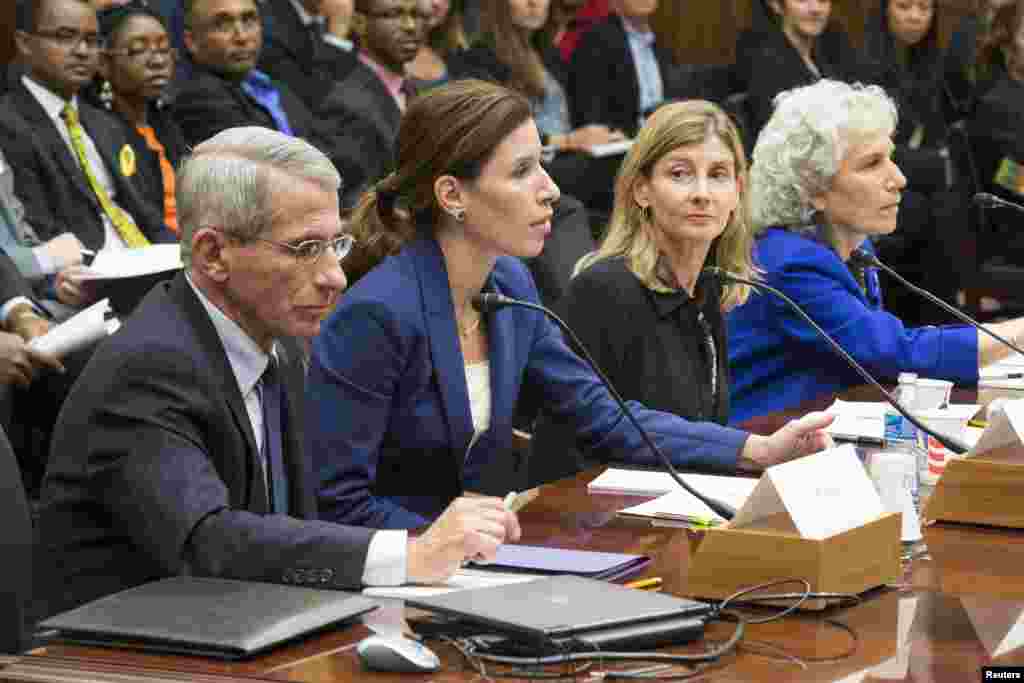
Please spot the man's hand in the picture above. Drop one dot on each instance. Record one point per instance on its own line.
(65, 250)
(72, 290)
(18, 363)
(30, 326)
(470, 528)
(797, 438)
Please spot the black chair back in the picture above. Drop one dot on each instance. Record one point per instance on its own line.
(16, 551)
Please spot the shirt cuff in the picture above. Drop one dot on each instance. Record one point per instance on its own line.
(5, 310)
(47, 264)
(340, 43)
(386, 558)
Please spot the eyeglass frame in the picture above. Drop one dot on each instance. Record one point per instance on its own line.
(145, 54)
(341, 245)
(233, 25)
(397, 14)
(94, 42)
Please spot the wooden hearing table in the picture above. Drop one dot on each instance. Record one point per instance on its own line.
(952, 612)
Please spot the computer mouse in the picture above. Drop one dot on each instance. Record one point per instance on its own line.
(394, 653)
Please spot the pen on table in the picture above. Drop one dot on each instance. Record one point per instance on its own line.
(1011, 375)
(977, 423)
(645, 584)
(87, 252)
(42, 310)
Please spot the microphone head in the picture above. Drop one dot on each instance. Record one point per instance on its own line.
(986, 200)
(861, 258)
(481, 302)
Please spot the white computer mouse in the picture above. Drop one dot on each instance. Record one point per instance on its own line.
(395, 653)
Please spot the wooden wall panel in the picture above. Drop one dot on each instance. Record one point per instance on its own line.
(704, 31)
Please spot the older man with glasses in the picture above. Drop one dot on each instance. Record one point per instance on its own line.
(180, 449)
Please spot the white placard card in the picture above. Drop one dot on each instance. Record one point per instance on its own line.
(1005, 426)
(824, 494)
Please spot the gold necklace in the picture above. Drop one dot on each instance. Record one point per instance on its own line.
(465, 331)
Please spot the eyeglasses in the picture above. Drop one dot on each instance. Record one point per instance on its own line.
(244, 23)
(308, 251)
(397, 14)
(69, 40)
(145, 54)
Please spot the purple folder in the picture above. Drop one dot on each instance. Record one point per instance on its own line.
(536, 559)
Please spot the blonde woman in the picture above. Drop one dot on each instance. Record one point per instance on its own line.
(638, 303)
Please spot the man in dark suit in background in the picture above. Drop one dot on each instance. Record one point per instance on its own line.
(365, 108)
(73, 164)
(180, 448)
(618, 74)
(307, 45)
(224, 39)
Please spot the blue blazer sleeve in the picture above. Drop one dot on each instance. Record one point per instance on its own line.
(357, 363)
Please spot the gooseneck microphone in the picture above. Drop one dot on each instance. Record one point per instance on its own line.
(949, 442)
(863, 258)
(990, 201)
(489, 301)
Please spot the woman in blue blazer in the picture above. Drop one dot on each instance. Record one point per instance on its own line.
(412, 389)
(823, 182)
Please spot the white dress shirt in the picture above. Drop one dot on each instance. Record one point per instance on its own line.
(53, 104)
(386, 557)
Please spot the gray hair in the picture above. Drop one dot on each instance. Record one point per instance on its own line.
(227, 181)
(799, 150)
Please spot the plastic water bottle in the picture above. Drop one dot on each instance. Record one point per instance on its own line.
(901, 435)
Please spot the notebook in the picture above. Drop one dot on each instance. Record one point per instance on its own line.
(559, 607)
(207, 617)
(540, 560)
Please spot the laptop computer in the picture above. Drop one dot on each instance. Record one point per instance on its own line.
(206, 617)
(559, 607)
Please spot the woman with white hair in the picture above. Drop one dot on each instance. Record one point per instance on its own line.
(822, 184)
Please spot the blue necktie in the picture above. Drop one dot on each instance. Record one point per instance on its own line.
(259, 87)
(273, 400)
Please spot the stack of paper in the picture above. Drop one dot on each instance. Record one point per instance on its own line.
(111, 264)
(1005, 378)
(682, 507)
(864, 421)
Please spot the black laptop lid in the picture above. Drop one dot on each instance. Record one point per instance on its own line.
(559, 606)
(210, 617)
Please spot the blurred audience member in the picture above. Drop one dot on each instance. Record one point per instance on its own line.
(74, 165)
(589, 13)
(967, 76)
(308, 45)
(791, 44)
(137, 67)
(444, 36)
(364, 108)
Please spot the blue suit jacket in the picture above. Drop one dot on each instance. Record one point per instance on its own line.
(778, 361)
(390, 423)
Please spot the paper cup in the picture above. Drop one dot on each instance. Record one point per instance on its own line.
(932, 394)
(950, 425)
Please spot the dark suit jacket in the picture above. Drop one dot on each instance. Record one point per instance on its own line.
(55, 192)
(603, 86)
(208, 103)
(153, 470)
(391, 435)
(775, 66)
(363, 119)
(293, 55)
(12, 284)
(997, 130)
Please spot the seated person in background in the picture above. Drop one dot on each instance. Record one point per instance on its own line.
(35, 259)
(998, 124)
(968, 77)
(588, 13)
(796, 46)
(902, 54)
(307, 45)
(822, 184)
(138, 64)
(444, 36)
(224, 39)
(180, 449)
(363, 109)
(409, 384)
(74, 165)
(510, 50)
(618, 73)
(681, 205)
